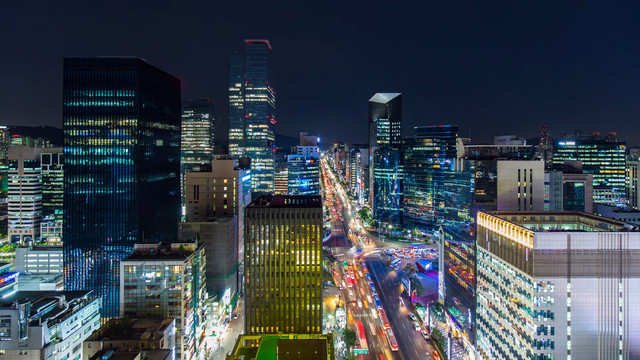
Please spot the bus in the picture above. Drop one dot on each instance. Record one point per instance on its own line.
(361, 335)
(385, 321)
(392, 340)
(395, 263)
(376, 300)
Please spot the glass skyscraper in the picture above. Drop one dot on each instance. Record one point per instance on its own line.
(121, 181)
(601, 157)
(196, 140)
(303, 175)
(385, 157)
(51, 164)
(252, 112)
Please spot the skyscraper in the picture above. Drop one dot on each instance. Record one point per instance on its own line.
(252, 112)
(385, 157)
(196, 138)
(283, 257)
(121, 121)
(25, 194)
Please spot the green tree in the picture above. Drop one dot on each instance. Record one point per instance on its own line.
(349, 338)
(417, 286)
(439, 340)
(411, 270)
(326, 275)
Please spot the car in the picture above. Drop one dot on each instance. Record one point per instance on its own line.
(425, 334)
(416, 326)
(435, 354)
(400, 301)
(359, 303)
(413, 317)
(366, 304)
(235, 315)
(369, 298)
(350, 292)
(353, 303)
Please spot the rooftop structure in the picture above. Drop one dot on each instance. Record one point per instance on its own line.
(283, 347)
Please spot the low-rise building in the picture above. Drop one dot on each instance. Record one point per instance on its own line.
(39, 259)
(8, 278)
(50, 325)
(283, 347)
(132, 335)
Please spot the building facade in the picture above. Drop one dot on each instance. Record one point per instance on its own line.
(303, 175)
(168, 280)
(283, 259)
(557, 285)
(121, 120)
(25, 195)
(39, 259)
(52, 167)
(252, 112)
(602, 158)
(52, 325)
(521, 185)
(196, 136)
(385, 158)
(631, 181)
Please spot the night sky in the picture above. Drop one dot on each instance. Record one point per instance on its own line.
(493, 70)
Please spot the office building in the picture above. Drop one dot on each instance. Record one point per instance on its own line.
(132, 335)
(457, 282)
(385, 158)
(627, 215)
(631, 181)
(556, 285)
(167, 280)
(340, 159)
(429, 158)
(569, 189)
(41, 259)
(309, 140)
(122, 162)
(252, 112)
(8, 278)
(282, 180)
(196, 136)
(303, 174)
(600, 157)
(545, 145)
(52, 167)
(25, 195)
(5, 140)
(520, 185)
(282, 259)
(355, 167)
(284, 347)
(47, 324)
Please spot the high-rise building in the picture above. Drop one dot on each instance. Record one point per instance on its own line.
(5, 140)
(282, 180)
(600, 157)
(236, 106)
(52, 167)
(196, 136)
(520, 185)
(47, 324)
(303, 175)
(121, 121)
(429, 159)
(632, 183)
(308, 140)
(39, 260)
(385, 157)
(252, 112)
(283, 259)
(556, 285)
(545, 145)
(357, 158)
(167, 280)
(25, 194)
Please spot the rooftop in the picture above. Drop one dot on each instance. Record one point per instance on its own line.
(283, 347)
(132, 329)
(384, 97)
(566, 221)
(287, 201)
(163, 251)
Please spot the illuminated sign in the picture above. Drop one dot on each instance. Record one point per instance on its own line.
(226, 298)
(8, 277)
(246, 177)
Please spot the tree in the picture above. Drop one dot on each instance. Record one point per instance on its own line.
(411, 270)
(417, 286)
(326, 275)
(349, 338)
(439, 339)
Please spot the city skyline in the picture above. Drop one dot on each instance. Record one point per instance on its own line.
(512, 67)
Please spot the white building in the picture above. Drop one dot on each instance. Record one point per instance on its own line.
(520, 185)
(25, 194)
(51, 325)
(556, 285)
(39, 259)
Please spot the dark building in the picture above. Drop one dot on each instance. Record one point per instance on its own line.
(385, 157)
(283, 258)
(51, 165)
(121, 185)
(429, 159)
(252, 106)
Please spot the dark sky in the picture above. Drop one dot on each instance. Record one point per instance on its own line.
(491, 69)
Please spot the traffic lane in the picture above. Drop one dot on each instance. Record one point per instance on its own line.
(410, 342)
